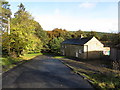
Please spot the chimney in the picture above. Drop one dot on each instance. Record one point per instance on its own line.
(81, 36)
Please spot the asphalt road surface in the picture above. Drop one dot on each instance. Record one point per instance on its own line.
(43, 72)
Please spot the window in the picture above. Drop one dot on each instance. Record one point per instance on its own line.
(65, 46)
(63, 52)
(76, 54)
(80, 51)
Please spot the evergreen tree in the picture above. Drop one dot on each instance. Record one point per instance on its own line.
(4, 15)
(22, 37)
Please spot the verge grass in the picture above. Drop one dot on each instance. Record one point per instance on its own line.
(100, 77)
(10, 62)
(30, 56)
(58, 57)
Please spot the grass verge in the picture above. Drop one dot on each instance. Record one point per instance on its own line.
(30, 56)
(100, 77)
(58, 57)
(10, 62)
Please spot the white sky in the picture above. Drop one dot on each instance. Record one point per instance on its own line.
(72, 16)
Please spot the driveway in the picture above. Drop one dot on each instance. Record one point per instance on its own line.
(43, 72)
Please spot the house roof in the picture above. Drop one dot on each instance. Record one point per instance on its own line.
(78, 41)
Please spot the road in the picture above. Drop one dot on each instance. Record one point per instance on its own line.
(43, 72)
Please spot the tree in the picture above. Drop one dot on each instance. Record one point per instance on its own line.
(5, 14)
(56, 36)
(78, 34)
(115, 39)
(22, 37)
(58, 33)
(93, 33)
(55, 44)
(21, 10)
(40, 33)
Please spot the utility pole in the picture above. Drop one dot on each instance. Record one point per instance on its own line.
(8, 25)
(9, 35)
(119, 17)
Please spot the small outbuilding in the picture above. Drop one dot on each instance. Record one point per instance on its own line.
(85, 48)
(115, 53)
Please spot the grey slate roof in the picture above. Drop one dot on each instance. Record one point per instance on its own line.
(78, 41)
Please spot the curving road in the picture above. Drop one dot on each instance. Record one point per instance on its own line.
(43, 72)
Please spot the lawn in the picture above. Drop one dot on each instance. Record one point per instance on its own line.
(100, 77)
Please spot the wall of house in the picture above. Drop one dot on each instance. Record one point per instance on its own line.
(73, 50)
(114, 54)
(95, 48)
(92, 49)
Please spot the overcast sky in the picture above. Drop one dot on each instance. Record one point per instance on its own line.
(72, 16)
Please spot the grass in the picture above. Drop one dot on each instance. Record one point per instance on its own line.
(10, 62)
(58, 57)
(100, 77)
(30, 56)
(100, 80)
